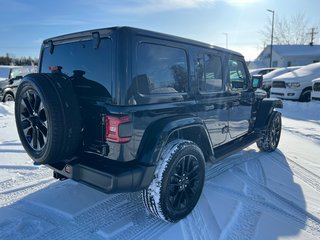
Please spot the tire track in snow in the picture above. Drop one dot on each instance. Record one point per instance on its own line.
(120, 216)
(62, 227)
(306, 224)
(309, 133)
(200, 216)
(26, 186)
(15, 194)
(301, 172)
(138, 222)
(23, 182)
(293, 211)
(245, 219)
(224, 165)
(300, 215)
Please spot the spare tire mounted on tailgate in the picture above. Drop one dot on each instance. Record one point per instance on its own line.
(48, 117)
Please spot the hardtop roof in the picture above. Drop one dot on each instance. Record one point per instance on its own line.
(106, 31)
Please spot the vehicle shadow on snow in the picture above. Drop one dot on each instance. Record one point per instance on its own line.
(13, 144)
(244, 198)
(265, 200)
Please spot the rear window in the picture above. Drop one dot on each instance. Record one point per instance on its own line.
(161, 69)
(88, 68)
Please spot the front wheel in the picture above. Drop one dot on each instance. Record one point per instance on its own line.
(271, 137)
(178, 182)
(305, 96)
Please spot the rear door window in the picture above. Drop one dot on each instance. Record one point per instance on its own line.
(209, 73)
(161, 69)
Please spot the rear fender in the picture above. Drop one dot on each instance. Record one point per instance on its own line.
(160, 132)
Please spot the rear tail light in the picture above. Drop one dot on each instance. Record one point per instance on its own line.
(113, 125)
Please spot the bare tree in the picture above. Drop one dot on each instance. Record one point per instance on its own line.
(287, 31)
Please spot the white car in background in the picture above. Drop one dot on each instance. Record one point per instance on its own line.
(296, 85)
(315, 94)
(267, 79)
(260, 71)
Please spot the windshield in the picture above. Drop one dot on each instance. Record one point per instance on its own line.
(4, 73)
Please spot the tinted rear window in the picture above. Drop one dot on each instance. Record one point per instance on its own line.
(209, 73)
(88, 68)
(161, 69)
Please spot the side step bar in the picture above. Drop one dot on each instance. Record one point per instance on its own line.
(235, 146)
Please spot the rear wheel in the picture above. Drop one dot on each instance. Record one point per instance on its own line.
(47, 118)
(271, 137)
(178, 181)
(8, 97)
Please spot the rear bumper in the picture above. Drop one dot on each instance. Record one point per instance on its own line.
(106, 175)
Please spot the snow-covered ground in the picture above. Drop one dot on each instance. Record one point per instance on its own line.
(250, 195)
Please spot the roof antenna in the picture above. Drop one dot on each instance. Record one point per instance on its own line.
(96, 39)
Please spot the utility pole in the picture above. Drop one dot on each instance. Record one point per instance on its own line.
(271, 46)
(312, 33)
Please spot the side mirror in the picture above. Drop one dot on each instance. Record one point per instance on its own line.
(256, 81)
(10, 81)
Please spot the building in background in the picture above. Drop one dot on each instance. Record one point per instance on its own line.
(287, 56)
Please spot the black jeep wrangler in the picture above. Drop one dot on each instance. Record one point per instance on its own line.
(123, 109)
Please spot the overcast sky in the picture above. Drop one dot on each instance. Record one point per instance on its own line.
(25, 23)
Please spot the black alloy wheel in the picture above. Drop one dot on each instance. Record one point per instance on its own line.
(33, 120)
(178, 181)
(275, 131)
(48, 118)
(184, 182)
(271, 137)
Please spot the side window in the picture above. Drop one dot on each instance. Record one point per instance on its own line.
(209, 73)
(161, 69)
(238, 77)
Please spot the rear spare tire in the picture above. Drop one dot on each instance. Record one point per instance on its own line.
(48, 117)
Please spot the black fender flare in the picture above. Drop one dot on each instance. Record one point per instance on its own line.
(157, 135)
(8, 90)
(266, 107)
